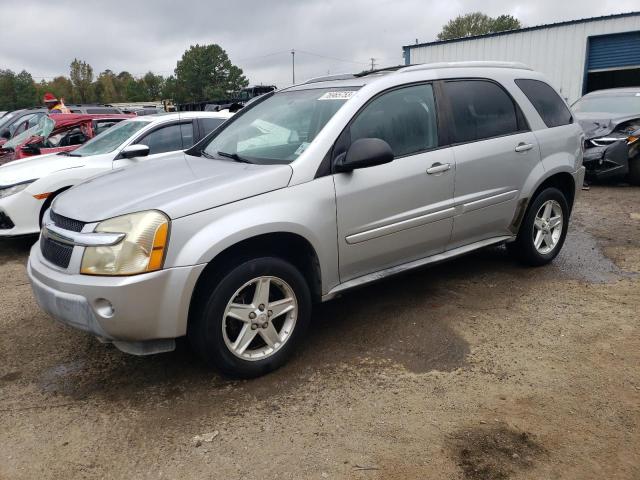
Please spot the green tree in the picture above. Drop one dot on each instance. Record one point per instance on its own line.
(25, 88)
(81, 74)
(205, 73)
(105, 87)
(477, 23)
(7, 90)
(153, 85)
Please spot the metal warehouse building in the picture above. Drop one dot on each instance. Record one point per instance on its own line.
(578, 56)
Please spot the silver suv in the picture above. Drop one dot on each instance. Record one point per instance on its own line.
(310, 191)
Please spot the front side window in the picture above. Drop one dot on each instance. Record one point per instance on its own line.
(210, 124)
(278, 129)
(546, 101)
(404, 118)
(108, 141)
(167, 139)
(480, 109)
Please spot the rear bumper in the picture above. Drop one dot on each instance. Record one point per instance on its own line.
(608, 162)
(132, 312)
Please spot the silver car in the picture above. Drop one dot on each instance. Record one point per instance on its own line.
(310, 191)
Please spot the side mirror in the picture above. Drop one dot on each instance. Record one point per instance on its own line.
(133, 151)
(6, 134)
(363, 153)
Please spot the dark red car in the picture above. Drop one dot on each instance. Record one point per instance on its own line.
(58, 133)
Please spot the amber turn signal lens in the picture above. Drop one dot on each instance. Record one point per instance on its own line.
(159, 246)
(42, 196)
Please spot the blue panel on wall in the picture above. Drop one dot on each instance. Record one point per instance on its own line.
(613, 51)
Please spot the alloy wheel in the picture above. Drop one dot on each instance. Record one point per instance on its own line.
(260, 318)
(547, 227)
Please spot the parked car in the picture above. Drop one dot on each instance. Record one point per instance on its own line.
(611, 122)
(16, 122)
(303, 195)
(57, 133)
(27, 187)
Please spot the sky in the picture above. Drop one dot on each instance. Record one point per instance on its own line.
(329, 36)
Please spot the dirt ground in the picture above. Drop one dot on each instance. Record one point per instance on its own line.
(475, 369)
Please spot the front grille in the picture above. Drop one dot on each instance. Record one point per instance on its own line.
(66, 223)
(5, 222)
(57, 253)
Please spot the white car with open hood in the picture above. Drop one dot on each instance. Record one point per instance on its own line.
(27, 187)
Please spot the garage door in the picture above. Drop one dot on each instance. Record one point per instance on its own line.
(614, 51)
(613, 61)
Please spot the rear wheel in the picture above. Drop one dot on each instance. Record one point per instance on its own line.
(543, 230)
(634, 171)
(251, 319)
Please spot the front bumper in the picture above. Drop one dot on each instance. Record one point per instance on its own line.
(140, 314)
(607, 162)
(19, 215)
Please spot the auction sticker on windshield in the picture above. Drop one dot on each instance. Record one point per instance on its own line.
(339, 95)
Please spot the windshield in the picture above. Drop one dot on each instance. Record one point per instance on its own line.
(110, 139)
(280, 128)
(622, 104)
(42, 129)
(5, 120)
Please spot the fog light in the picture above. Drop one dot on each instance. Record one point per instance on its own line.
(104, 308)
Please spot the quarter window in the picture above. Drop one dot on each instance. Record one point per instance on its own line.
(547, 102)
(481, 109)
(404, 118)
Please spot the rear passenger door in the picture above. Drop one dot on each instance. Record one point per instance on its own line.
(400, 211)
(495, 152)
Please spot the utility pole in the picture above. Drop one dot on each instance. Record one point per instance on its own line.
(373, 63)
(293, 66)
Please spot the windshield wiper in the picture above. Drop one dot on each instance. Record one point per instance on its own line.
(207, 155)
(69, 154)
(234, 156)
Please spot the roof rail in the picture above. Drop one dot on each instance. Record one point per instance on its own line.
(471, 64)
(380, 70)
(326, 78)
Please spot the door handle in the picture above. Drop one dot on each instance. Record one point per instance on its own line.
(523, 147)
(438, 168)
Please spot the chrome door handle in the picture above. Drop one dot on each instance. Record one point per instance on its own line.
(524, 147)
(438, 168)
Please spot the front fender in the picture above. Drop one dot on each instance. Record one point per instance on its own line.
(307, 210)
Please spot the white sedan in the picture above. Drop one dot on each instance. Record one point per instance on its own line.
(27, 187)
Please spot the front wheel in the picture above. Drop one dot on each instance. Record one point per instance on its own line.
(543, 230)
(252, 318)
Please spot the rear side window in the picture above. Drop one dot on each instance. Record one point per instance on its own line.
(481, 109)
(547, 102)
(404, 118)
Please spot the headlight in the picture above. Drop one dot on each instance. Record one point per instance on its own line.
(142, 249)
(13, 189)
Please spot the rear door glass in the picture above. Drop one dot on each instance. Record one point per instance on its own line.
(481, 109)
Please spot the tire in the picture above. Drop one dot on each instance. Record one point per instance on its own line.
(215, 326)
(524, 247)
(634, 171)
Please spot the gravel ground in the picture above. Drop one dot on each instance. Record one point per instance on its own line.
(474, 369)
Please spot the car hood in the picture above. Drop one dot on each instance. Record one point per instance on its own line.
(597, 125)
(32, 168)
(178, 185)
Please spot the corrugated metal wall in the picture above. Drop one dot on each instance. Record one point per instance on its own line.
(559, 52)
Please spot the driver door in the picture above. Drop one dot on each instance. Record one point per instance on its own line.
(401, 211)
